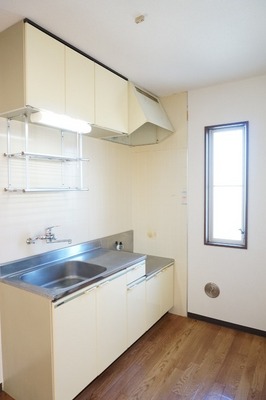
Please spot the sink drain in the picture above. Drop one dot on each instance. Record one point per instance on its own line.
(212, 290)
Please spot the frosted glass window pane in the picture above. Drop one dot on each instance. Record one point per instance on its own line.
(227, 213)
(226, 185)
(228, 158)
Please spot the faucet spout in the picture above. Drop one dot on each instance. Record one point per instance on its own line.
(49, 237)
(69, 241)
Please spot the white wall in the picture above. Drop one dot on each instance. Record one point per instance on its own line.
(240, 274)
(159, 188)
(141, 188)
(104, 210)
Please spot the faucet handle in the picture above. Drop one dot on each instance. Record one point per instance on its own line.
(49, 229)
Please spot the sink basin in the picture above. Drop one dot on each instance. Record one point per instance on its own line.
(62, 275)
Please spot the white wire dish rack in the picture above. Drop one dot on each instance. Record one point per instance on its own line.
(60, 167)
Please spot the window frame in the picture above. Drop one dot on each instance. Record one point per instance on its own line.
(208, 163)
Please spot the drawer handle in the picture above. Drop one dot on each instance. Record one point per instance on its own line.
(104, 284)
(90, 290)
(131, 288)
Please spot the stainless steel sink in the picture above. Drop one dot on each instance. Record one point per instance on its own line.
(62, 275)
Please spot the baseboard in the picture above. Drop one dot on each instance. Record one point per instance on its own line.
(227, 324)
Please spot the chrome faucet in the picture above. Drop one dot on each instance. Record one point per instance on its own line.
(49, 237)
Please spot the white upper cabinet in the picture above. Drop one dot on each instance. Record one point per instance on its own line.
(38, 70)
(79, 72)
(111, 100)
(32, 70)
(44, 71)
(58, 78)
(12, 79)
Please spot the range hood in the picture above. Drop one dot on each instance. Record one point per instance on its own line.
(148, 122)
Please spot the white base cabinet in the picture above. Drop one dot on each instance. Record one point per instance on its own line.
(53, 350)
(167, 289)
(111, 320)
(159, 295)
(153, 300)
(74, 344)
(136, 311)
(26, 344)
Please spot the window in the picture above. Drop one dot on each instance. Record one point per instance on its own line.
(226, 185)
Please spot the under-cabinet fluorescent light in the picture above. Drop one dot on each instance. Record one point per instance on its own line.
(60, 121)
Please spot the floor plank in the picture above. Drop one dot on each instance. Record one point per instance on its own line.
(181, 358)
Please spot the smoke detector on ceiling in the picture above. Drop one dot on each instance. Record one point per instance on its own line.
(139, 19)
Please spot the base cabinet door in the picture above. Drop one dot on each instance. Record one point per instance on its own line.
(159, 294)
(74, 345)
(153, 300)
(136, 311)
(111, 320)
(53, 350)
(167, 289)
(27, 358)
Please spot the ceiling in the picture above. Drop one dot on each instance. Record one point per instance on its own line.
(180, 45)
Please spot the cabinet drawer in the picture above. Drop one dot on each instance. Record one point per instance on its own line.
(135, 272)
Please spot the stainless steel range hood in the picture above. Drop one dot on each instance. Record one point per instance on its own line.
(148, 122)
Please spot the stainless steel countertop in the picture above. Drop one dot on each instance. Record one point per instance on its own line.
(113, 260)
(154, 264)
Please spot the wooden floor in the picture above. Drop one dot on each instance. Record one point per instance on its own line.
(181, 358)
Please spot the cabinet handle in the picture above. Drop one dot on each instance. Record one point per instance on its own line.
(104, 284)
(90, 290)
(64, 301)
(113, 277)
(132, 287)
(153, 276)
(130, 269)
(137, 283)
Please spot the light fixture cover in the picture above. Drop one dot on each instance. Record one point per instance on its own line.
(60, 121)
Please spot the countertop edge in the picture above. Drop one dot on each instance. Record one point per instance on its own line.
(115, 261)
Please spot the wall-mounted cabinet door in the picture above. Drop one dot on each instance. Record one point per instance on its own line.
(111, 100)
(44, 71)
(74, 345)
(12, 68)
(79, 72)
